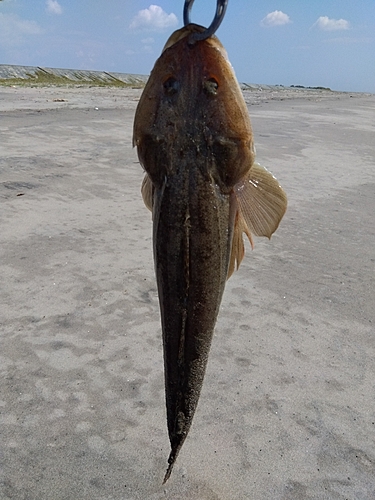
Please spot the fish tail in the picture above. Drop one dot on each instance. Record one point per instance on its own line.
(171, 461)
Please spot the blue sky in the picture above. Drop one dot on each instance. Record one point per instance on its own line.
(329, 43)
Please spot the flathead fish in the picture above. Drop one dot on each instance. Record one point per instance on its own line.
(194, 139)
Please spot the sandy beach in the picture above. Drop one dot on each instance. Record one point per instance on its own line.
(287, 410)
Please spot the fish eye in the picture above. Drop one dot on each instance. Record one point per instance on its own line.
(171, 86)
(210, 86)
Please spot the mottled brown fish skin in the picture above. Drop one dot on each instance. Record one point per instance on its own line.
(194, 140)
(191, 260)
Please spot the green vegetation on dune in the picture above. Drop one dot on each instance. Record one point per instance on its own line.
(43, 78)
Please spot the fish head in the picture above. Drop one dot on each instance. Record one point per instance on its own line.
(192, 105)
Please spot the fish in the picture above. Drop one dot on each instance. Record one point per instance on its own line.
(195, 142)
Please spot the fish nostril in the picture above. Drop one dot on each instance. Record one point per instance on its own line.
(210, 86)
(171, 86)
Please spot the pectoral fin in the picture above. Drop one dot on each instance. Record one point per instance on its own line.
(261, 205)
(238, 248)
(147, 191)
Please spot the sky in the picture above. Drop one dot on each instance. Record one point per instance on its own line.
(328, 43)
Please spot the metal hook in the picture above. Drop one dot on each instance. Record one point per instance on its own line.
(219, 16)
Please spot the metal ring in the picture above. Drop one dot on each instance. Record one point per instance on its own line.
(221, 7)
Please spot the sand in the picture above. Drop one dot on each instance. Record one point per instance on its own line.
(288, 405)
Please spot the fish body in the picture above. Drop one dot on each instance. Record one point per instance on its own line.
(194, 139)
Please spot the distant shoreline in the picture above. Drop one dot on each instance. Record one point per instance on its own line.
(27, 76)
(37, 75)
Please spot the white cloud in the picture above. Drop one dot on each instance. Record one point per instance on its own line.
(327, 24)
(53, 7)
(154, 18)
(275, 18)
